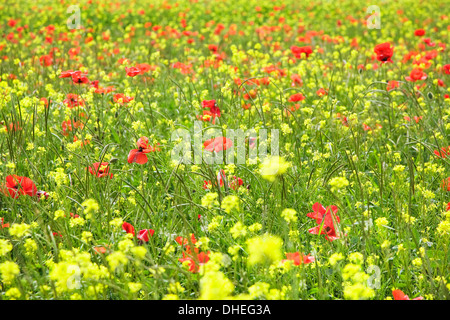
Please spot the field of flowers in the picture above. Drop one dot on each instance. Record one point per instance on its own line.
(352, 200)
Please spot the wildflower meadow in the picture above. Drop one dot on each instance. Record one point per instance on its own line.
(224, 150)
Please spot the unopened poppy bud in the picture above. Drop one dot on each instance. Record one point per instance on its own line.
(430, 96)
(113, 160)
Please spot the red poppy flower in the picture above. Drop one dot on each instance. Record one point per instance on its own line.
(325, 220)
(344, 119)
(384, 52)
(417, 119)
(104, 90)
(319, 211)
(79, 78)
(196, 261)
(100, 169)
(101, 250)
(73, 100)
(46, 60)
(321, 92)
(143, 234)
(66, 74)
(392, 84)
(446, 69)
(121, 98)
(429, 42)
(446, 184)
(296, 80)
(183, 241)
(297, 51)
(235, 183)
(74, 216)
(399, 295)
(415, 75)
(45, 100)
(296, 97)
(212, 113)
(12, 126)
(218, 144)
(2, 224)
(443, 153)
(132, 71)
(213, 48)
(419, 32)
(207, 184)
(128, 228)
(70, 125)
(138, 155)
(17, 186)
(298, 258)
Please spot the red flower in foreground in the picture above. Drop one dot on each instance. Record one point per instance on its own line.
(17, 186)
(392, 85)
(120, 98)
(46, 60)
(296, 80)
(138, 155)
(184, 241)
(297, 51)
(3, 225)
(384, 52)
(296, 97)
(343, 119)
(415, 75)
(143, 235)
(399, 295)
(419, 32)
(326, 220)
(79, 78)
(443, 153)
(100, 169)
(132, 71)
(446, 69)
(235, 183)
(128, 228)
(321, 92)
(73, 100)
(446, 184)
(196, 261)
(218, 144)
(298, 258)
(66, 74)
(212, 113)
(100, 249)
(319, 211)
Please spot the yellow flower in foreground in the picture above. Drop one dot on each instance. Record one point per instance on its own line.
(9, 270)
(215, 286)
(264, 249)
(272, 167)
(290, 215)
(19, 230)
(5, 247)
